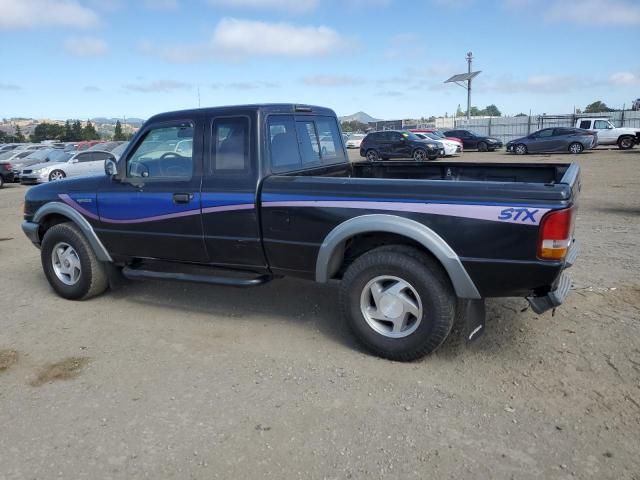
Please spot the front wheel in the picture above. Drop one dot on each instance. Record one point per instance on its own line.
(576, 147)
(70, 265)
(398, 302)
(420, 155)
(372, 156)
(625, 143)
(56, 175)
(520, 149)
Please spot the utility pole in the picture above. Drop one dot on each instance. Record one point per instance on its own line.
(469, 60)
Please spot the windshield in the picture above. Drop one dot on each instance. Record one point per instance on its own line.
(58, 156)
(357, 136)
(39, 154)
(438, 134)
(5, 155)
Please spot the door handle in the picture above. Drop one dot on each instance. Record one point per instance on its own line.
(182, 197)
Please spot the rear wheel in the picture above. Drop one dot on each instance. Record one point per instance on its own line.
(398, 302)
(576, 147)
(520, 149)
(625, 143)
(482, 147)
(372, 155)
(56, 175)
(70, 265)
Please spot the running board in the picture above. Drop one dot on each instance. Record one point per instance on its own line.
(139, 274)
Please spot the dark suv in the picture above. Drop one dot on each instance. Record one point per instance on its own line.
(472, 140)
(399, 144)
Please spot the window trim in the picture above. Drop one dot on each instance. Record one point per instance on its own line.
(142, 134)
(211, 171)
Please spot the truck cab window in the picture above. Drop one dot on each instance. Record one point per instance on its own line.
(585, 124)
(330, 145)
(600, 125)
(283, 143)
(308, 140)
(158, 155)
(230, 144)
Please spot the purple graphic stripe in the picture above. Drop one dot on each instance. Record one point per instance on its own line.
(75, 205)
(224, 208)
(478, 212)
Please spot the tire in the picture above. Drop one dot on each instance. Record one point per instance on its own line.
(56, 175)
(428, 288)
(372, 155)
(1, 181)
(433, 156)
(420, 155)
(626, 142)
(520, 149)
(90, 274)
(482, 147)
(576, 148)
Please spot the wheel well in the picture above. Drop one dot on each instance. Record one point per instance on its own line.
(49, 221)
(359, 244)
(626, 135)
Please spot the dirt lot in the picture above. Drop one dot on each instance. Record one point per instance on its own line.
(165, 380)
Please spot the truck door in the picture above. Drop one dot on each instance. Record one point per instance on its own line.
(605, 131)
(229, 211)
(153, 210)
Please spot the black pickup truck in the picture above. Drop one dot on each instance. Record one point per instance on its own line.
(241, 195)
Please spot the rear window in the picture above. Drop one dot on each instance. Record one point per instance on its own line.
(586, 124)
(303, 142)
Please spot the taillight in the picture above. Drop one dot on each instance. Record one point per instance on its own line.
(7, 166)
(556, 232)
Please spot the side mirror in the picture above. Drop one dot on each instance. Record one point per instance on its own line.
(110, 167)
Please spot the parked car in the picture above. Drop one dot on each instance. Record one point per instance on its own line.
(34, 157)
(105, 146)
(119, 150)
(450, 147)
(472, 140)
(84, 163)
(415, 246)
(8, 146)
(85, 145)
(437, 133)
(37, 173)
(608, 134)
(355, 140)
(635, 105)
(6, 173)
(572, 140)
(399, 144)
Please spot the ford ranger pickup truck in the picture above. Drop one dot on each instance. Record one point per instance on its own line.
(238, 196)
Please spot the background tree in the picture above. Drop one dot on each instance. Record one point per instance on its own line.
(597, 107)
(492, 111)
(354, 126)
(459, 112)
(89, 132)
(68, 132)
(521, 115)
(18, 135)
(118, 135)
(77, 131)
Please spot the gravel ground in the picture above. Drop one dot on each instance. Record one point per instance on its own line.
(165, 380)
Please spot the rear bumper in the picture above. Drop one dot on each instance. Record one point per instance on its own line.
(554, 298)
(8, 177)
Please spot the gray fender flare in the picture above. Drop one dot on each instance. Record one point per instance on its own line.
(65, 210)
(332, 249)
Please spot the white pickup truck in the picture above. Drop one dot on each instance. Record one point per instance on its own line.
(608, 134)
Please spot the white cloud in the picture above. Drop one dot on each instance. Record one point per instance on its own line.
(235, 40)
(156, 86)
(91, 89)
(242, 38)
(331, 81)
(10, 86)
(624, 78)
(292, 6)
(86, 46)
(17, 14)
(595, 12)
(545, 84)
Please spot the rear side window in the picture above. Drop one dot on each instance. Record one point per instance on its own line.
(303, 142)
(229, 145)
(586, 124)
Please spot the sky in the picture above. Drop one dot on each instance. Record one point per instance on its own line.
(133, 58)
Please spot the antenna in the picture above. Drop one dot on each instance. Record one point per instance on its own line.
(198, 96)
(465, 77)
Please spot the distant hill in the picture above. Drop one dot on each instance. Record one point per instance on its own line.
(359, 117)
(136, 122)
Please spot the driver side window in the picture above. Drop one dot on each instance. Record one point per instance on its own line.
(165, 152)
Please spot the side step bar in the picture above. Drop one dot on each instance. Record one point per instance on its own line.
(139, 274)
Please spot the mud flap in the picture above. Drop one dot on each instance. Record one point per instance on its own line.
(474, 319)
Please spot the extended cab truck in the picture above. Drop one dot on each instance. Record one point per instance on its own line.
(415, 246)
(608, 134)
